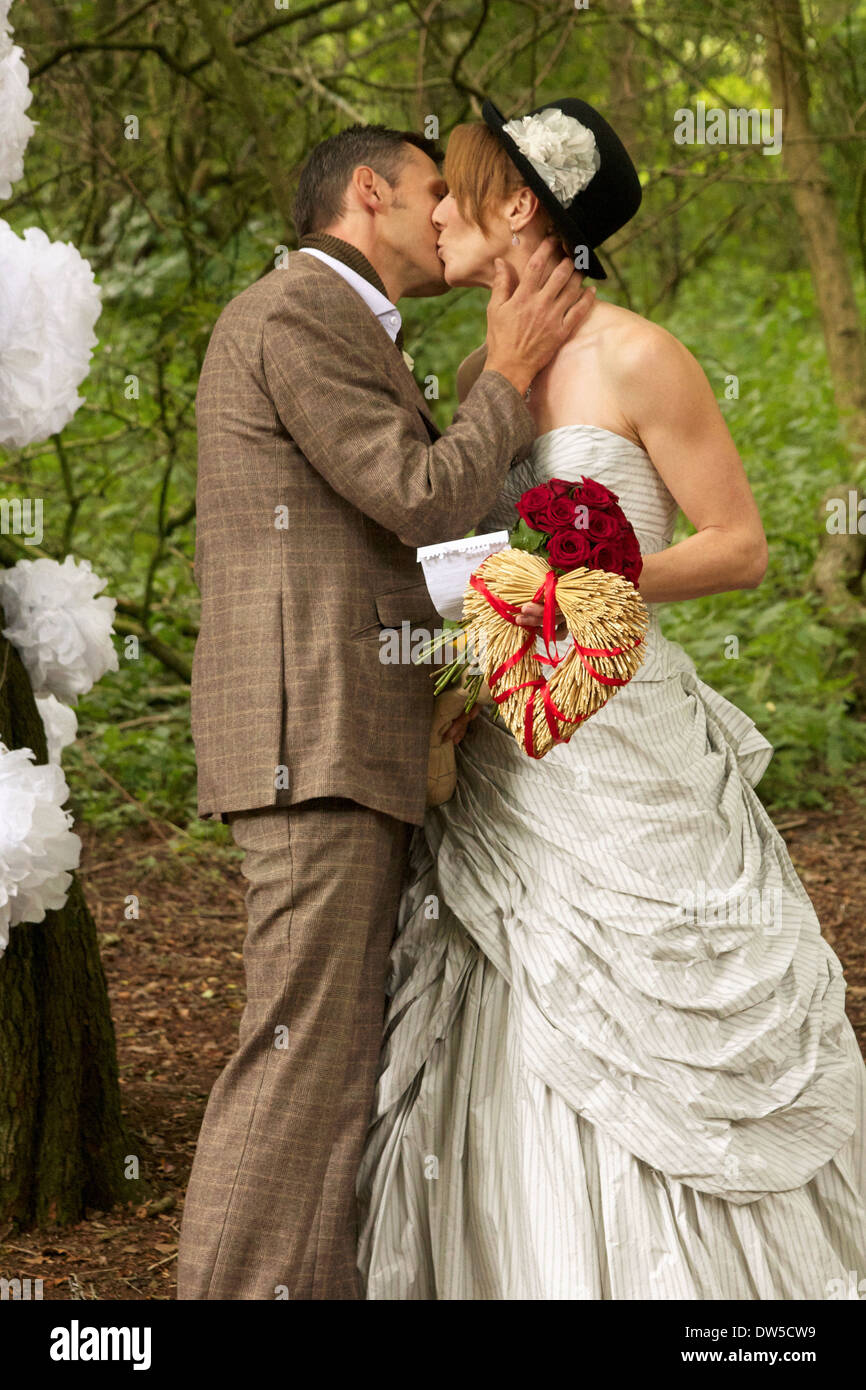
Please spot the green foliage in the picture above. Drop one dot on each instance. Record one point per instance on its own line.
(793, 671)
(523, 537)
(180, 219)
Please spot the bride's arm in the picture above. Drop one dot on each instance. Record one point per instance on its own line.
(668, 400)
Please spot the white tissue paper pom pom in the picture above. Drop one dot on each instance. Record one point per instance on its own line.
(48, 307)
(15, 96)
(61, 630)
(5, 29)
(60, 724)
(38, 849)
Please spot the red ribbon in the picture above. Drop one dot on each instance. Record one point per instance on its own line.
(546, 592)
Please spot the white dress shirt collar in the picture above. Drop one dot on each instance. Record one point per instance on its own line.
(386, 312)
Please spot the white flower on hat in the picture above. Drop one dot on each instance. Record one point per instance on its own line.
(560, 148)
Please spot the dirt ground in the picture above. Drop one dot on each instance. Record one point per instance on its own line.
(176, 981)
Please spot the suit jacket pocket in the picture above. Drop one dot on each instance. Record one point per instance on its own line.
(410, 604)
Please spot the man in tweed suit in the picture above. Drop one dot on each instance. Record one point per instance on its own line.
(320, 471)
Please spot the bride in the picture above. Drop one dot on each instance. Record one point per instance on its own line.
(616, 1061)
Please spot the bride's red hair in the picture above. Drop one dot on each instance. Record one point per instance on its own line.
(478, 172)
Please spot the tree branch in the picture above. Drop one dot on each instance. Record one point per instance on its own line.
(233, 68)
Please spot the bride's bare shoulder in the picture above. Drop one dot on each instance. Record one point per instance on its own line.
(631, 343)
(648, 368)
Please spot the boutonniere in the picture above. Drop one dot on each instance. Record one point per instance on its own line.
(410, 361)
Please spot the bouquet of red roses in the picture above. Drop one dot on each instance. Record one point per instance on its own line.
(573, 551)
(577, 524)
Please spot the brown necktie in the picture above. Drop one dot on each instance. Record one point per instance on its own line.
(350, 256)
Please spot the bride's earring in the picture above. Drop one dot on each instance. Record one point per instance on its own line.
(515, 238)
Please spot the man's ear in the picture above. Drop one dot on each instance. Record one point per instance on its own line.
(367, 186)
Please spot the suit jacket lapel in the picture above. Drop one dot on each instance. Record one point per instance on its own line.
(392, 356)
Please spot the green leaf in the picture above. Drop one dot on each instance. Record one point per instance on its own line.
(523, 537)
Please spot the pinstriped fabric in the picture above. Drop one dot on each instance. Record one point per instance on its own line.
(592, 1085)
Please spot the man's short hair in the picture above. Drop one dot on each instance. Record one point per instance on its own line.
(320, 198)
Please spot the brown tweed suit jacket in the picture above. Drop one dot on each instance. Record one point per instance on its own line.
(319, 473)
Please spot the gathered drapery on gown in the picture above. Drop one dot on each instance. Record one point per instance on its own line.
(616, 1061)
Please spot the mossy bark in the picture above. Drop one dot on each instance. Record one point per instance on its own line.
(839, 574)
(63, 1143)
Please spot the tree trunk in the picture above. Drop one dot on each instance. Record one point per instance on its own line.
(839, 568)
(625, 94)
(63, 1146)
(624, 101)
(255, 116)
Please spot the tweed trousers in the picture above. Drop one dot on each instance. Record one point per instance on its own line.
(270, 1210)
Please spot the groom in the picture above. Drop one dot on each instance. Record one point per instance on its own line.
(320, 471)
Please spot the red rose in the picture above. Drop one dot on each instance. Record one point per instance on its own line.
(594, 494)
(558, 515)
(531, 505)
(567, 550)
(606, 556)
(632, 572)
(601, 526)
(560, 488)
(630, 546)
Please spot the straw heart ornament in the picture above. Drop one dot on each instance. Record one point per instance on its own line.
(574, 552)
(606, 620)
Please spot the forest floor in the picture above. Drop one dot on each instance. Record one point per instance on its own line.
(176, 981)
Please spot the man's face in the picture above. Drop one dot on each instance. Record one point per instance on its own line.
(408, 229)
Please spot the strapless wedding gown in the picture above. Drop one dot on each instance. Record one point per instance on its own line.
(616, 1061)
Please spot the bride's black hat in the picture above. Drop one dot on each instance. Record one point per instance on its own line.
(586, 181)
